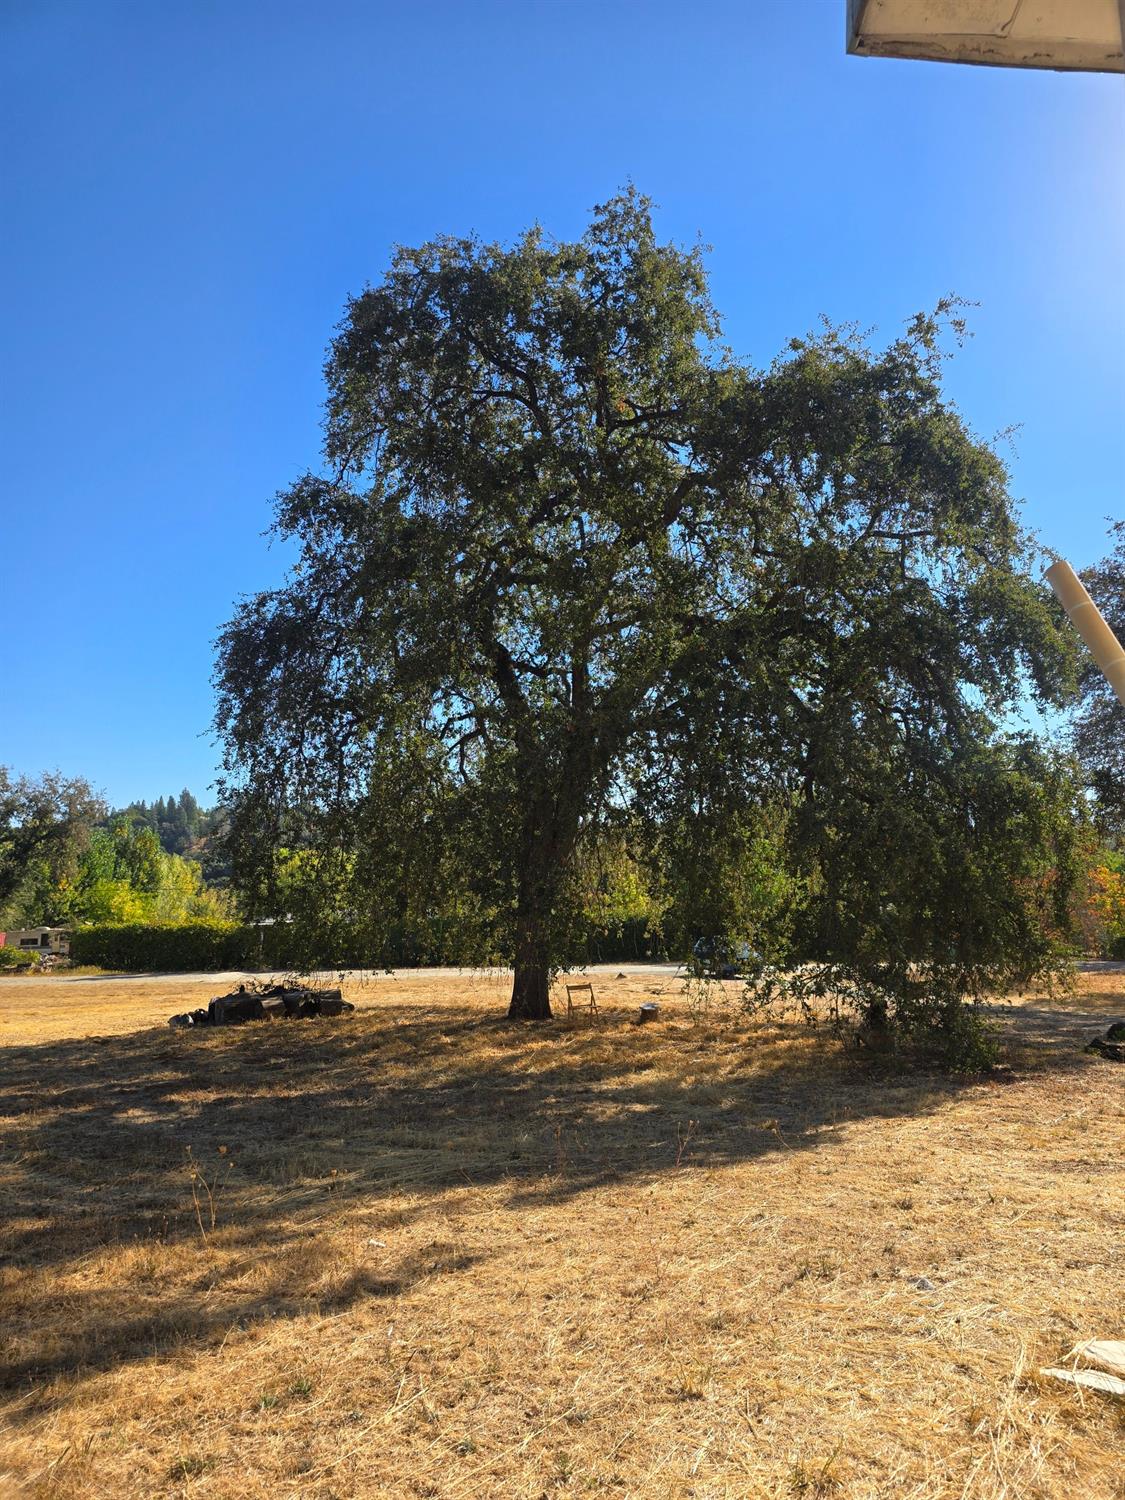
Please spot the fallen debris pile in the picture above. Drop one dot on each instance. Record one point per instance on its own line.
(277, 1001)
(1111, 1043)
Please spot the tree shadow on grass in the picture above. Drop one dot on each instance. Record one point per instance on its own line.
(107, 1339)
(393, 1108)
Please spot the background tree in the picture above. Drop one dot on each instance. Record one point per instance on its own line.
(569, 557)
(125, 876)
(63, 859)
(727, 872)
(181, 825)
(45, 825)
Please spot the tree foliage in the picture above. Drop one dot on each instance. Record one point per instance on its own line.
(181, 825)
(569, 563)
(125, 876)
(64, 859)
(1106, 900)
(45, 826)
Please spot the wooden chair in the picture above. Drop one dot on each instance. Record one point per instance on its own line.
(588, 1004)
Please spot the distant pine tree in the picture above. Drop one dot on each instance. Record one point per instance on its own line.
(190, 812)
(179, 823)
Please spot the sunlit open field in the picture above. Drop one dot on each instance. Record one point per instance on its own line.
(420, 1252)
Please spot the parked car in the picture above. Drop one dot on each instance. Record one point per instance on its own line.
(724, 958)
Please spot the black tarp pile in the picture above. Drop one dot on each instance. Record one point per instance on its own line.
(276, 1002)
(1111, 1043)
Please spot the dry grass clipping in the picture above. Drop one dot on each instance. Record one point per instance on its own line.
(419, 1252)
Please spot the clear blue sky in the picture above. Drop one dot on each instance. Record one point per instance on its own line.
(191, 189)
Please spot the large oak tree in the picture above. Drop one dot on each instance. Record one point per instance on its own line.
(569, 558)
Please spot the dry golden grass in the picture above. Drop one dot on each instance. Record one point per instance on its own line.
(428, 1253)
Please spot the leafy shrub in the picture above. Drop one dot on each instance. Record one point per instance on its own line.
(139, 947)
(632, 941)
(18, 958)
(924, 1010)
(183, 947)
(1107, 902)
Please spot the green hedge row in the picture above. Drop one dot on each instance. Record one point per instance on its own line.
(171, 948)
(141, 947)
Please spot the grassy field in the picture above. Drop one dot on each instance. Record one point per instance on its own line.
(419, 1252)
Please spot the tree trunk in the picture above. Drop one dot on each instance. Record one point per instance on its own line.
(531, 987)
(531, 997)
(549, 834)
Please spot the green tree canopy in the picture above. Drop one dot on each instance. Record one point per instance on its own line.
(45, 825)
(125, 876)
(570, 559)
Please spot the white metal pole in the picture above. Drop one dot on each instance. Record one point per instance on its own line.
(1084, 616)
